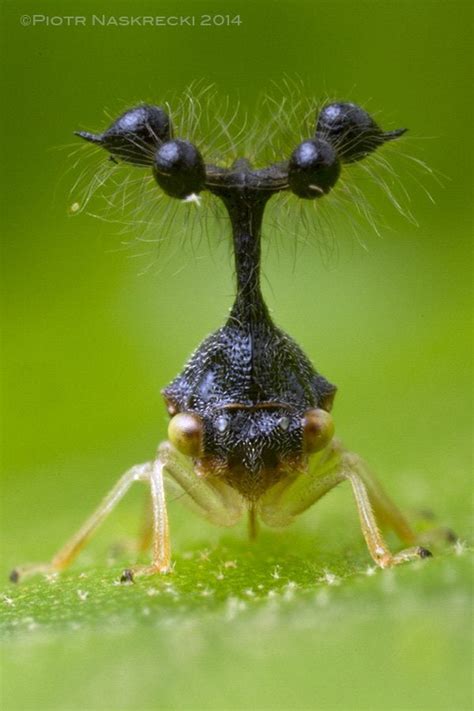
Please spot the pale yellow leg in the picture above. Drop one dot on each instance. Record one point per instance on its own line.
(146, 533)
(376, 544)
(211, 499)
(327, 469)
(384, 508)
(161, 548)
(73, 546)
(300, 490)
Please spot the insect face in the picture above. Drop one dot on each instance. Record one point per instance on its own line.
(251, 448)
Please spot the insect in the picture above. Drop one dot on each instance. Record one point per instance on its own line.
(250, 430)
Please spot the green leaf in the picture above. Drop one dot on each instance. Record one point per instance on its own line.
(298, 620)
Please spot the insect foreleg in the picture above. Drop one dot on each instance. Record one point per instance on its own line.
(210, 498)
(299, 491)
(161, 548)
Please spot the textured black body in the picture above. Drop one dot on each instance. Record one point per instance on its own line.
(248, 389)
(258, 378)
(249, 381)
(249, 364)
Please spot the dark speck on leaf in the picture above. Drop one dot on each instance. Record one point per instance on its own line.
(127, 576)
(424, 553)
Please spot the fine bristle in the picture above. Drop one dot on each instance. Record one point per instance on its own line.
(224, 132)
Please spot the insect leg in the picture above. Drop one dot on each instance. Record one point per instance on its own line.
(376, 544)
(146, 533)
(299, 491)
(161, 549)
(210, 498)
(328, 469)
(384, 508)
(73, 546)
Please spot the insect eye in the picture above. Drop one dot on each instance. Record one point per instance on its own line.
(185, 432)
(318, 430)
(352, 131)
(134, 136)
(313, 168)
(179, 169)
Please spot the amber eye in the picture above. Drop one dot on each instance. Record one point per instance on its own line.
(318, 430)
(185, 432)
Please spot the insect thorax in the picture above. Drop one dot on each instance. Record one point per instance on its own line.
(251, 384)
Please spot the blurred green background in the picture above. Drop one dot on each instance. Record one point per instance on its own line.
(91, 331)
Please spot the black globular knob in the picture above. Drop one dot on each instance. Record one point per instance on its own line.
(352, 131)
(135, 135)
(179, 169)
(313, 168)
